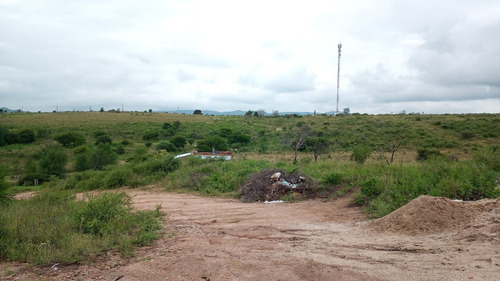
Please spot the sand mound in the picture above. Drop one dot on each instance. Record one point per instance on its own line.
(432, 215)
(261, 187)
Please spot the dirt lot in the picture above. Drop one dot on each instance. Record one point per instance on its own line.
(224, 239)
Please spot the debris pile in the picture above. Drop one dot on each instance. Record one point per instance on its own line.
(432, 215)
(271, 185)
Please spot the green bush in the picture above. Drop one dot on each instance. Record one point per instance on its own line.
(70, 139)
(360, 154)
(118, 177)
(26, 136)
(179, 142)
(212, 142)
(166, 146)
(55, 227)
(163, 165)
(53, 162)
(333, 178)
(149, 136)
(103, 139)
(98, 215)
(426, 153)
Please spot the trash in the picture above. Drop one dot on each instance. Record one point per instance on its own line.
(272, 185)
(274, 202)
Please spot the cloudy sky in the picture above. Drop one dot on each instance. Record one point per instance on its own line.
(439, 56)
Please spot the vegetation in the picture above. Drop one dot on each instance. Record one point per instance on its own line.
(456, 156)
(55, 227)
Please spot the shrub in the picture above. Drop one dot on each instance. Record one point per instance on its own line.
(360, 154)
(70, 139)
(26, 136)
(333, 178)
(213, 142)
(3, 186)
(179, 142)
(96, 217)
(166, 146)
(426, 153)
(4, 136)
(54, 227)
(95, 158)
(157, 165)
(149, 136)
(53, 162)
(103, 139)
(118, 177)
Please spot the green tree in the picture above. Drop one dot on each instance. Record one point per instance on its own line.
(197, 112)
(179, 142)
(101, 156)
(212, 143)
(96, 158)
(318, 146)
(53, 162)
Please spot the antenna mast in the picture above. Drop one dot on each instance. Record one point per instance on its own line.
(338, 78)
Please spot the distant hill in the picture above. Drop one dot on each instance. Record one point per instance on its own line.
(8, 110)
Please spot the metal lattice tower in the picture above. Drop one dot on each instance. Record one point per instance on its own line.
(338, 78)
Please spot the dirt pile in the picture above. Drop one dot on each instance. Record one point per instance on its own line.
(271, 185)
(432, 215)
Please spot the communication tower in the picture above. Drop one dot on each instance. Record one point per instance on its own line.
(338, 78)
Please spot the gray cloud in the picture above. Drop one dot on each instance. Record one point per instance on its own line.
(167, 54)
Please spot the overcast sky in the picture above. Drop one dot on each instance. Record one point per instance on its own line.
(439, 56)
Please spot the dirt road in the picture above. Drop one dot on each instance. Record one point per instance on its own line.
(224, 239)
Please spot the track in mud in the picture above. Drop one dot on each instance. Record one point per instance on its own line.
(224, 239)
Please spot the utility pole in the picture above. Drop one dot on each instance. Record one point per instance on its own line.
(338, 79)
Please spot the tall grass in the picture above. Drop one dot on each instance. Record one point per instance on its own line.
(55, 227)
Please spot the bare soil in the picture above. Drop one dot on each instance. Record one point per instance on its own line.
(224, 239)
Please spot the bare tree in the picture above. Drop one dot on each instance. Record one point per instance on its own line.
(392, 147)
(295, 138)
(261, 112)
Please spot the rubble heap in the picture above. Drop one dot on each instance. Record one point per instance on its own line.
(272, 184)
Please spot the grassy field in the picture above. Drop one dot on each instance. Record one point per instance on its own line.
(456, 156)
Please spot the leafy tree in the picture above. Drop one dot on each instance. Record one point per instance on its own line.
(318, 145)
(53, 162)
(213, 142)
(238, 137)
(101, 156)
(102, 109)
(249, 113)
(179, 142)
(96, 158)
(70, 139)
(197, 112)
(347, 111)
